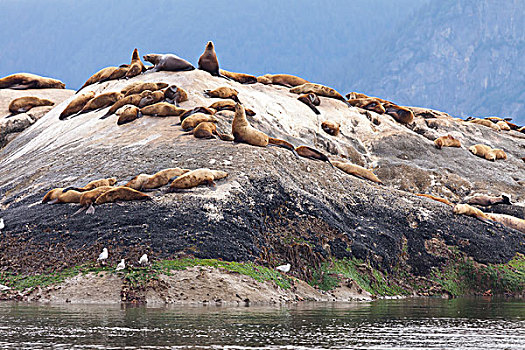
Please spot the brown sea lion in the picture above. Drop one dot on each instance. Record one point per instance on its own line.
(522, 129)
(465, 209)
(503, 125)
(223, 92)
(141, 86)
(93, 184)
(228, 105)
(400, 114)
(485, 122)
(318, 89)
(281, 79)
(135, 100)
(446, 141)
(357, 170)
(311, 100)
(102, 74)
(436, 198)
(154, 97)
(331, 128)
(197, 177)
(483, 151)
(136, 66)
(355, 95)
(485, 200)
(23, 104)
(175, 95)
(204, 110)
(159, 179)
(208, 130)
(101, 101)
(508, 221)
(163, 109)
(127, 114)
(76, 105)
(312, 153)
(117, 74)
(23, 81)
(499, 153)
(371, 104)
(58, 195)
(239, 77)
(209, 62)
(121, 194)
(195, 119)
(52, 194)
(167, 62)
(87, 199)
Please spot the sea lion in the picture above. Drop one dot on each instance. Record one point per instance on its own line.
(140, 100)
(355, 95)
(99, 76)
(23, 81)
(194, 120)
(127, 114)
(499, 153)
(76, 105)
(163, 109)
(167, 62)
(175, 95)
(503, 125)
(159, 179)
(136, 66)
(223, 92)
(204, 110)
(446, 141)
(436, 198)
(357, 170)
(197, 177)
(371, 104)
(208, 130)
(483, 151)
(209, 62)
(87, 199)
(282, 79)
(93, 184)
(149, 99)
(331, 128)
(465, 209)
(400, 114)
(484, 122)
(239, 77)
(58, 195)
(243, 132)
(137, 88)
(485, 200)
(508, 221)
(23, 104)
(522, 129)
(317, 89)
(120, 72)
(312, 153)
(229, 105)
(311, 100)
(121, 194)
(101, 101)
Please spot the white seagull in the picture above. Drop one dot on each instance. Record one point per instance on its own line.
(121, 265)
(283, 268)
(3, 288)
(143, 259)
(104, 255)
(2, 225)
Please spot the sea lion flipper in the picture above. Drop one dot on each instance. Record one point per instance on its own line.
(90, 210)
(82, 208)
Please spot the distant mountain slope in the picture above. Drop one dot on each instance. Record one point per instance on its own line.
(463, 57)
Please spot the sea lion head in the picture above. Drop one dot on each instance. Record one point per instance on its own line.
(209, 45)
(135, 55)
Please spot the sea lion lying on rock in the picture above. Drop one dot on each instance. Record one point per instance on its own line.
(159, 179)
(76, 105)
(197, 177)
(23, 104)
(223, 92)
(121, 194)
(281, 79)
(24, 81)
(94, 184)
(485, 200)
(357, 170)
(319, 90)
(239, 77)
(446, 141)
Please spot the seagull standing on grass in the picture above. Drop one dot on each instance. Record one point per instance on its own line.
(103, 256)
(143, 259)
(121, 265)
(283, 268)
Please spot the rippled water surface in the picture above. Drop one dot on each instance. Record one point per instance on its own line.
(383, 324)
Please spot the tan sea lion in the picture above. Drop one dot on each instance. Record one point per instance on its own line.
(127, 114)
(58, 195)
(400, 114)
(52, 194)
(239, 77)
(371, 104)
(208, 130)
(311, 100)
(167, 62)
(87, 199)
(136, 66)
(436, 198)
(485, 200)
(175, 95)
(499, 153)
(485, 122)
(102, 74)
(355, 95)
(101, 101)
(223, 92)
(209, 62)
(163, 109)
(465, 209)
(281, 79)
(159, 179)
(228, 105)
(331, 128)
(357, 170)
(446, 141)
(121, 194)
(195, 119)
(312, 153)
(141, 86)
(93, 184)
(204, 110)
(483, 151)
(120, 72)
(197, 177)
(508, 221)
(135, 100)
(76, 105)
(503, 125)
(23, 104)
(149, 99)
(318, 89)
(23, 81)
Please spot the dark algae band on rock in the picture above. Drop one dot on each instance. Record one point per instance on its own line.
(356, 228)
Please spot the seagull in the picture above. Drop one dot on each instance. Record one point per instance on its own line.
(143, 259)
(283, 268)
(104, 255)
(121, 265)
(2, 225)
(3, 288)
